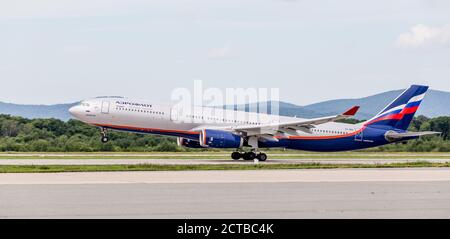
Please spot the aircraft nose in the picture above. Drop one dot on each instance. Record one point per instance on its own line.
(75, 111)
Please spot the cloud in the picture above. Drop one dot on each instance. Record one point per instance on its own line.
(221, 52)
(423, 35)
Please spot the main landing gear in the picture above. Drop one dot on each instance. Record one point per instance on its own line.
(104, 133)
(249, 156)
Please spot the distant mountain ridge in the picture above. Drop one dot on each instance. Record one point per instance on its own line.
(58, 111)
(436, 103)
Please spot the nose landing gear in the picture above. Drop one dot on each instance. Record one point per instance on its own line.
(104, 133)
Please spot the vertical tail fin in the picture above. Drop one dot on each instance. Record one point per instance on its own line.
(399, 113)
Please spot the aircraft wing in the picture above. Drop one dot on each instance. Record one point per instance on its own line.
(291, 127)
(397, 136)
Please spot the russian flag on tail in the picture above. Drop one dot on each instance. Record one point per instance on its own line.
(400, 112)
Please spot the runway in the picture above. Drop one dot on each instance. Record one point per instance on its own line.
(171, 161)
(333, 193)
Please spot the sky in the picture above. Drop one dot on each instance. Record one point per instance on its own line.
(61, 51)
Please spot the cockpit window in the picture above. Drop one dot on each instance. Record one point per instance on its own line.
(84, 104)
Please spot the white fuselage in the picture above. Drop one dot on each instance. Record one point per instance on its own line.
(142, 116)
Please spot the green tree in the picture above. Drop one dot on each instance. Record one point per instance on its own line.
(441, 124)
(9, 128)
(20, 134)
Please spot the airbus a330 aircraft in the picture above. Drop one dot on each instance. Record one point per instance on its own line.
(206, 127)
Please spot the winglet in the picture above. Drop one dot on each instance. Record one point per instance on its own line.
(352, 111)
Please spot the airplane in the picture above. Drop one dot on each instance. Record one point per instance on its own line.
(208, 127)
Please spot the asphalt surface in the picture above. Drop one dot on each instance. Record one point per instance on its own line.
(203, 154)
(163, 161)
(335, 193)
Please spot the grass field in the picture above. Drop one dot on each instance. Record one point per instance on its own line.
(417, 157)
(225, 155)
(154, 167)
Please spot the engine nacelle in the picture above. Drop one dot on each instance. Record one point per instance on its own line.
(220, 139)
(188, 143)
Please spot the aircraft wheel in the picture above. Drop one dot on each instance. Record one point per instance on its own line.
(262, 157)
(105, 139)
(236, 155)
(249, 156)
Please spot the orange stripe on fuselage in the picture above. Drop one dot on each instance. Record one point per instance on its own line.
(204, 135)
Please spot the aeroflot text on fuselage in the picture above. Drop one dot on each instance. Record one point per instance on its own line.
(133, 104)
(248, 132)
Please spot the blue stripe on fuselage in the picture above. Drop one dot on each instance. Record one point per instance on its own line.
(371, 137)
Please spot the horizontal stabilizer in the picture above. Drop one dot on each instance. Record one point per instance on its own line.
(396, 136)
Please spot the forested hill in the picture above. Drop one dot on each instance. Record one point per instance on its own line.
(52, 135)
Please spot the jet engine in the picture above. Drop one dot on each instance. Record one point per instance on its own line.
(188, 143)
(220, 139)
